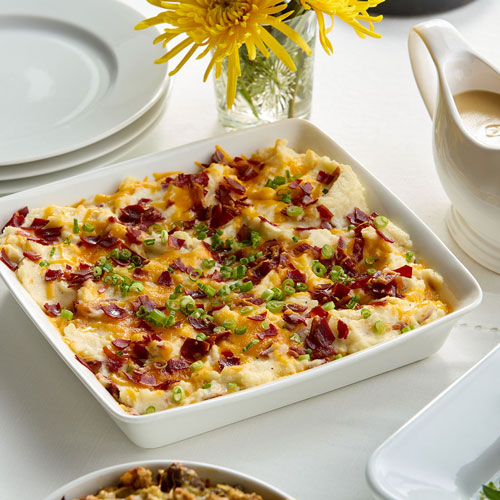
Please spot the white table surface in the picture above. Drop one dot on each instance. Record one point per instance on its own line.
(52, 430)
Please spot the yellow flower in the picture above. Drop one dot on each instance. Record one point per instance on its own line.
(223, 26)
(349, 11)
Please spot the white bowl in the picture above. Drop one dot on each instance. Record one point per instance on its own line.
(158, 429)
(93, 482)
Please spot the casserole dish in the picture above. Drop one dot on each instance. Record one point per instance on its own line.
(91, 483)
(157, 429)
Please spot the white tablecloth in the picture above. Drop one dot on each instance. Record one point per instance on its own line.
(51, 428)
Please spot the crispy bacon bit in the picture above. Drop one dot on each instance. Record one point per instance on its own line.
(220, 216)
(53, 274)
(113, 365)
(144, 301)
(139, 273)
(357, 248)
(294, 319)
(320, 339)
(318, 311)
(296, 307)
(121, 343)
(108, 241)
(93, 366)
(193, 349)
(307, 188)
(77, 278)
(304, 247)
(262, 270)
(176, 365)
(163, 386)
(272, 331)
(218, 157)
(324, 213)
(246, 169)
(384, 237)
(47, 235)
(53, 310)
(133, 235)
(234, 186)
(326, 178)
(114, 311)
(358, 217)
(39, 223)
(174, 242)
(201, 325)
(34, 256)
(179, 266)
(7, 261)
(296, 276)
(263, 219)
(258, 317)
(17, 218)
(165, 279)
(295, 184)
(228, 361)
(138, 215)
(405, 271)
(196, 294)
(342, 329)
(140, 349)
(90, 241)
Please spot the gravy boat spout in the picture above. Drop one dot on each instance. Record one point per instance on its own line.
(444, 66)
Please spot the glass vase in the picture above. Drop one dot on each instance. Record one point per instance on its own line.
(267, 90)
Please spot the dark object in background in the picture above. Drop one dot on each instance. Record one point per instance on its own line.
(416, 7)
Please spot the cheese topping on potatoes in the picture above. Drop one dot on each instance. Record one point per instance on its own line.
(185, 287)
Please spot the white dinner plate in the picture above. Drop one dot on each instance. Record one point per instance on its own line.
(448, 450)
(80, 156)
(71, 74)
(130, 137)
(93, 482)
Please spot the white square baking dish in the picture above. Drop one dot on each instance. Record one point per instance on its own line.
(165, 427)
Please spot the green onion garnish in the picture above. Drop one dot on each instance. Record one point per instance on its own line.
(380, 221)
(150, 409)
(379, 327)
(369, 261)
(229, 324)
(275, 306)
(371, 271)
(246, 286)
(288, 290)
(250, 345)
(294, 211)
(44, 263)
(219, 329)
(409, 256)
(240, 330)
(76, 229)
(52, 251)
(295, 239)
(295, 338)
(301, 287)
(136, 286)
(194, 274)
(255, 239)
(365, 313)
(207, 264)
(197, 365)
(149, 242)
(68, 315)
(327, 252)
(338, 356)
(201, 336)
(318, 268)
(164, 236)
(403, 330)
(264, 325)
(328, 306)
(353, 302)
(277, 293)
(187, 305)
(267, 295)
(232, 386)
(177, 394)
(125, 254)
(87, 227)
(246, 310)
(207, 385)
(303, 357)
(67, 241)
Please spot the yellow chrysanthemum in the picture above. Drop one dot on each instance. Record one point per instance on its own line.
(223, 26)
(349, 11)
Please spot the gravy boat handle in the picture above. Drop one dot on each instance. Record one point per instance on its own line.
(441, 39)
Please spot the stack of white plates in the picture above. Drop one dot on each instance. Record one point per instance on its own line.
(78, 87)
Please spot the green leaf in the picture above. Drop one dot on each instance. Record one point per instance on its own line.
(490, 493)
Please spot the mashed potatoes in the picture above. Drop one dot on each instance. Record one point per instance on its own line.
(182, 288)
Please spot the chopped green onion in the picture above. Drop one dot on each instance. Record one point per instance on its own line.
(229, 324)
(207, 385)
(246, 310)
(219, 329)
(294, 211)
(275, 306)
(301, 287)
(194, 274)
(66, 314)
(114, 253)
(207, 264)
(207, 289)
(250, 345)
(164, 236)
(246, 286)
(150, 409)
(328, 306)
(365, 313)
(157, 317)
(232, 386)
(303, 357)
(142, 312)
(338, 356)
(201, 336)
(97, 271)
(240, 330)
(197, 365)
(369, 261)
(87, 227)
(125, 254)
(267, 295)
(288, 282)
(187, 305)
(403, 330)
(327, 252)
(380, 221)
(179, 289)
(409, 256)
(149, 242)
(130, 368)
(76, 229)
(136, 286)
(137, 260)
(295, 338)
(371, 271)
(256, 239)
(277, 293)
(178, 394)
(239, 272)
(350, 227)
(325, 191)
(230, 260)
(288, 290)
(264, 325)
(226, 272)
(44, 263)
(379, 327)
(295, 239)
(67, 241)
(353, 302)
(318, 268)
(52, 251)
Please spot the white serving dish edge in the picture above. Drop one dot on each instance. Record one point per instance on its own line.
(165, 427)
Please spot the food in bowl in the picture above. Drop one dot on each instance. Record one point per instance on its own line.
(177, 482)
(186, 287)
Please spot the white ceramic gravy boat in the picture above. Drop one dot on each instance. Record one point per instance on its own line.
(469, 170)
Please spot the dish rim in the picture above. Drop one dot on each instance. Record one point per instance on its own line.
(157, 463)
(112, 406)
(371, 477)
